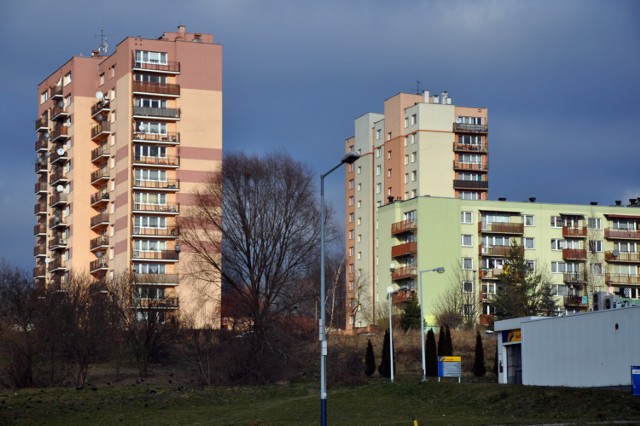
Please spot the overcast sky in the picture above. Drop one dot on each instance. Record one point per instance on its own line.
(560, 79)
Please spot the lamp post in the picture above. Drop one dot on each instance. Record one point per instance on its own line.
(348, 158)
(439, 270)
(391, 289)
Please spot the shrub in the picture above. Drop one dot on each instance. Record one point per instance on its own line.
(431, 356)
(479, 368)
(369, 360)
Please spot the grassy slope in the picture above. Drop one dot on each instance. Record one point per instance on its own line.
(377, 402)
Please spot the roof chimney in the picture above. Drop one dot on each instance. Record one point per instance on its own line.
(532, 199)
(594, 203)
(618, 202)
(390, 198)
(502, 199)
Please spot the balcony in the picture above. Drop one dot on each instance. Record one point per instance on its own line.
(172, 162)
(58, 199)
(41, 166)
(60, 113)
(100, 107)
(100, 242)
(41, 187)
(475, 167)
(99, 197)
(100, 131)
(470, 128)
(57, 178)
(142, 87)
(156, 113)
(574, 232)
(162, 255)
(42, 145)
(156, 279)
(170, 67)
(171, 232)
(464, 147)
(470, 184)
(403, 273)
(57, 243)
(404, 226)
(497, 251)
(575, 278)
(40, 208)
(618, 280)
(100, 175)
(164, 303)
(100, 153)
(58, 156)
(172, 138)
(404, 249)
(98, 265)
(40, 229)
(490, 274)
(57, 265)
(501, 228)
(60, 134)
(56, 92)
(621, 234)
(39, 272)
(574, 254)
(576, 302)
(99, 220)
(616, 257)
(57, 222)
(169, 185)
(402, 296)
(42, 124)
(40, 250)
(156, 208)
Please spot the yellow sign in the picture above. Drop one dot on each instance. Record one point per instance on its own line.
(450, 359)
(514, 336)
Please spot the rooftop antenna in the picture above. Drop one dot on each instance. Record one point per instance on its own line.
(417, 87)
(103, 43)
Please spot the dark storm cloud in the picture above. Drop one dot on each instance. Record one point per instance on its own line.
(559, 78)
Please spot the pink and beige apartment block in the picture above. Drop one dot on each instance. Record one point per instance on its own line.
(122, 140)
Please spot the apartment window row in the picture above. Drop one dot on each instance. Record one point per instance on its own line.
(148, 57)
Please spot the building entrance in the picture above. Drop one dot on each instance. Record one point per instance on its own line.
(514, 364)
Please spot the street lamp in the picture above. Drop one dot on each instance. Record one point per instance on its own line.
(390, 290)
(349, 158)
(439, 270)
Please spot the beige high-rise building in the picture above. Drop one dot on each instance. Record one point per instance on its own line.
(422, 145)
(123, 138)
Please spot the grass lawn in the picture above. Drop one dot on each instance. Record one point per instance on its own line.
(376, 403)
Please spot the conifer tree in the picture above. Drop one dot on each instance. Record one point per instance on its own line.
(479, 368)
(369, 360)
(449, 341)
(411, 315)
(442, 344)
(385, 363)
(431, 355)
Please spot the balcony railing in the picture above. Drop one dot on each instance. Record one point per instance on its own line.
(42, 124)
(57, 221)
(40, 208)
(574, 254)
(99, 175)
(58, 198)
(576, 302)
(60, 112)
(470, 184)
(613, 257)
(404, 249)
(41, 167)
(501, 228)
(57, 265)
(574, 278)
(470, 128)
(464, 147)
(100, 219)
(156, 279)
(168, 138)
(101, 152)
(490, 274)
(156, 88)
(574, 232)
(101, 241)
(99, 197)
(59, 133)
(164, 303)
(478, 167)
(40, 250)
(170, 67)
(39, 271)
(57, 243)
(171, 161)
(403, 273)
(155, 232)
(99, 107)
(621, 280)
(156, 255)
(621, 234)
(58, 157)
(156, 208)
(58, 177)
(404, 226)
(167, 113)
(402, 296)
(98, 265)
(40, 229)
(42, 145)
(497, 250)
(154, 184)
(41, 187)
(56, 92)
(100, 130)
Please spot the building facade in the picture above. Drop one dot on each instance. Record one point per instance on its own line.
(122, 139)
(579, 249)
(420, 145)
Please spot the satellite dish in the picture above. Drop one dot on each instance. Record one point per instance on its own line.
(60, 151)
(100, 118)
(60, 104)
(458, 120)
(99, 96)
(141, 127)
(59, 188)
(47, 260)
(616, 253)
(46, 135)
(67, 123)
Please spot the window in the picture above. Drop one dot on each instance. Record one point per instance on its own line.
(378, 170)
(414, 174)
(412, 138)
(378, 134)
(414, 193)
(101, 79)
(378, 188)
(359, 204)
(389, 155)
(624, 224)
(359, 220)
(148, 245)
(150, 151)
(151, 103)
(389, 191)
(359, 238)
(351, 217)
(406, 178)
(496, 240)
(413, 157)
(557, 244)
(406, 122)
(409, 216)
(406, 159)
(389, 173)
(414, 118)
(155, 128)
(595, 246)
(351, 183)
(467, 287)
(528, 220)
(146, 57)
(378, 152)
(67, 101)
(150, 268)
(150, 198)
(475, 140)
(467, 263)
(359, 256)
(151, 78)
(531, 265)
(470, 158)
(557, 221)
(594, 223)
(596, 268)
(351, 200)
(151, 175)
(351, 251)
(359, 170)
(389, 136)
(466, 217)
(469, 120)
(469, 195)
(67, 79)
(351, 234)
(528, 243)
(468, 176)
(467, 240)
(558, 267)
(406, 141)
(626, 247)
(44, 96)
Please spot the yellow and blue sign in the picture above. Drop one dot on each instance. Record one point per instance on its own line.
(449, 366)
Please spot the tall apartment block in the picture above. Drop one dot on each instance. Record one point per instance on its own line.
(122, 141)
(421, 145)
(579, 249)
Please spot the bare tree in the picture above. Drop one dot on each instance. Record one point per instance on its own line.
(255, 224)
(459, 304)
